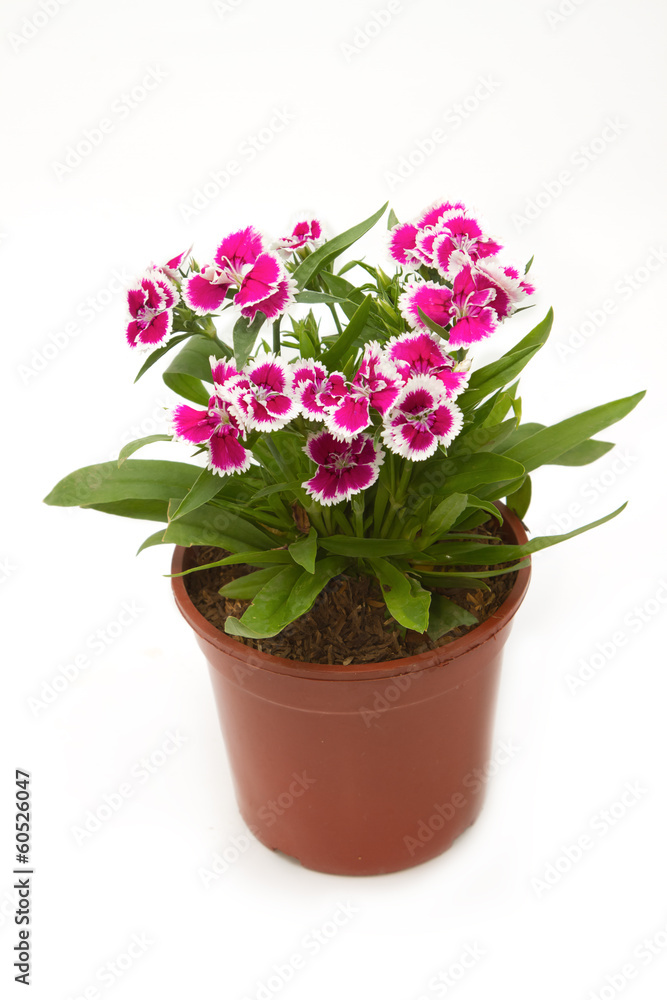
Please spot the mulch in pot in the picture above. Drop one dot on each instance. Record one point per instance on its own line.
(349, 622)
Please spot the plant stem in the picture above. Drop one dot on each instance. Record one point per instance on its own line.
(276, 336)
(332, 308)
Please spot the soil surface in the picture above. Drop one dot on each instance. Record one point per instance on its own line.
(349, 622)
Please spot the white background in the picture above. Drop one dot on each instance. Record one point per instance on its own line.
(520, 94)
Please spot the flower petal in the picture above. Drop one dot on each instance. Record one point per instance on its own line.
(205, 294)
(275, 304)
(402, 239)
(195, 426)
(350, 416)
(239, 249)
(227, 454)
(260, 282)
(433, 300)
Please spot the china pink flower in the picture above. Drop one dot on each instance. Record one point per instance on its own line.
(410, 243)
(422, 419)
(509, 287)
(376, 384)
(222, 372)
(317, 392)
(275, 304)
(150, 303)
(423, 354)
(220, 429)
(472, 311)
(461, 233)
(263, 394)
(308, 231)
(241, 262)
(465, 305)
(434, 301)
(344, 467)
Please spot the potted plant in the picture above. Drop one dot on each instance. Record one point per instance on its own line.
(341, 549)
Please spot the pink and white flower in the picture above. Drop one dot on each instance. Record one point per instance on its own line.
(434, 301)
(344, 467)
(222, 372)
(276, 303)
(150, 303)
(509, 287)
(410, 243)
(206, 291)
(376, 384)
(422, 419)
(218, 427)
(241, 262)
(317, 392)
(461, 233)
(263, 394)
(308, 231)
(472, 310)
(423, 354)
(465, 305)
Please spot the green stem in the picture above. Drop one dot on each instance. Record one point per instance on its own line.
(276, 336)
(316, 519)
(335, 317)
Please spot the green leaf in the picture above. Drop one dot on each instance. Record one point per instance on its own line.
(499, 373)
(538, 336)
(550, 443)
(191, 366)
(340, 349)
(494, 376)
(479, 505)
(212, 525)
(203, 489)
(263, 557)
(135, 479)
(245, 335)
(467, 473)
(454, 581)
(443, 517)
(519, 501)
(314, 298)
(407, 601)
(287, 596)
(584, 453)
(304, 551)
(132, 446)
(244, 588)
(187, 387)
(142, 510)
(392, 219)
(445, 615)
(346, 545)
(160, 352)
(318, 260)
(155, 539)
(489, 555)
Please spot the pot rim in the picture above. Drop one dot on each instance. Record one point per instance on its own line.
(438, 656)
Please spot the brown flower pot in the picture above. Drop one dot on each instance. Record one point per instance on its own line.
(361, 769)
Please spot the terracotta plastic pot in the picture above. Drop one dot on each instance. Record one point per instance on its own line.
(360, 769)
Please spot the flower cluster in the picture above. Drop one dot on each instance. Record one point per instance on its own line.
(403, 394)
(243, 268)
(474, 290)
(400, 394)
